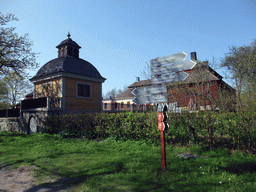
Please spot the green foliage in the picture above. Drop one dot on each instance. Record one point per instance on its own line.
(211, 129)
(4, 105)
(14, 89)
(241, 63)
(70, 125)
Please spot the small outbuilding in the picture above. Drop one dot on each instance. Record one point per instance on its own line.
(71, 83)
(67, 84)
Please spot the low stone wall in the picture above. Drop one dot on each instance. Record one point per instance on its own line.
(38, 115)
(30, 121)
(11, 124)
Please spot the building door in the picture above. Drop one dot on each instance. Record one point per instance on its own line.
(32, 125)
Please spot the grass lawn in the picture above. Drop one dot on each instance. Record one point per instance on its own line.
(112, 165)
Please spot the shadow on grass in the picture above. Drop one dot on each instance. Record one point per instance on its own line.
(15, 134)
(241, 168)
(72, 179)
(151, 179)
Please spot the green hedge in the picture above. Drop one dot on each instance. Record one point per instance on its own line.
(231, 130)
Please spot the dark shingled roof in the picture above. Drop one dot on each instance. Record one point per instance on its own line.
(125, 94)
(68, 41)
(141, 83)
(68, 64)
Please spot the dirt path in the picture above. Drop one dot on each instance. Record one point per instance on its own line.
(22, 180)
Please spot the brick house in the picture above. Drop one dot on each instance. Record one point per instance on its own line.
(203, 89)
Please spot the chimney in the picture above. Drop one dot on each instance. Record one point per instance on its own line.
(193, 56)
(137, 79)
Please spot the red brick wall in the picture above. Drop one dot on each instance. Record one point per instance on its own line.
(203, 94)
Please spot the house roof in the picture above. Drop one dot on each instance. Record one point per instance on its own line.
(126, 94)
(29, 94)
(200, 73)
(68, 64)
(68, 41)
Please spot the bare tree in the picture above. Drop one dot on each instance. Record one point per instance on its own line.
(113, 93)
(146, 71)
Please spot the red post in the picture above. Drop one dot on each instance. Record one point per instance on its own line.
(163, 150)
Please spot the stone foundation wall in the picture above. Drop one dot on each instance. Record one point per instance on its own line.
(11, 124)
(23, 123)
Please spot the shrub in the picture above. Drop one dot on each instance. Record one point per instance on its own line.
(231, 130)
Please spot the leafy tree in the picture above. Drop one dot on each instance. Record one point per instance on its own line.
(3, 89)
(3, 92)
(15, 88)
(15, 51)
(241, 63)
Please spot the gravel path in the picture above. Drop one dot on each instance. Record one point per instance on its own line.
(22, 180)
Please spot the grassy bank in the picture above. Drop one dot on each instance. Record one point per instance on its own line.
(112, 165)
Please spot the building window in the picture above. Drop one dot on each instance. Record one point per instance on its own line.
(70, 51)
(62, 52)
(105, 105)
(122, 104)
(83, 90)
(76, 55)
(116, 105)
(128, 104)
(47, 89)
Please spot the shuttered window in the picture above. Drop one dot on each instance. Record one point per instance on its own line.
(83, 90)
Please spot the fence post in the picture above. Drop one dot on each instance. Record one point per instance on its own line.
(48, 102)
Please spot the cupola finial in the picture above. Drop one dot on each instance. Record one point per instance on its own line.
(68, 35)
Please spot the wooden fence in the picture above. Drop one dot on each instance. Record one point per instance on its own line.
(119, 107)
(10, 113)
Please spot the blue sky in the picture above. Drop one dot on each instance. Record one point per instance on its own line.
(118, 37)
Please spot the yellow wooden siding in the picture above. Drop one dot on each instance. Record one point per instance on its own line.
(73, 103)
(52, 89)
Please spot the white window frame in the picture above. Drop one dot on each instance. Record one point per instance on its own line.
(83, 84)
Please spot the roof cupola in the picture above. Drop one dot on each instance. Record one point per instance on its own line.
(68, 47)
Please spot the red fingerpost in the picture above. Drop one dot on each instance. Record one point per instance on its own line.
(162, 125)
(163, 150)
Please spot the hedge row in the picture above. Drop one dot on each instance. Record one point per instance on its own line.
(232, 130)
